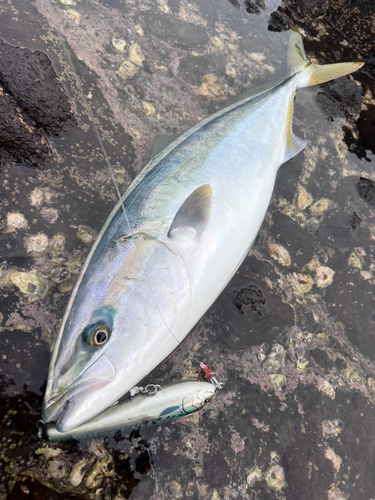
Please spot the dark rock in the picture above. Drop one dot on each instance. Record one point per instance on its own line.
(278, 22)
(338, 231)
(31, 79)
(254, 6)
(248, 312)
(216, 470)
(340, 97)
(18, 136)
(251, 296)
(366, 189)
(354, 222)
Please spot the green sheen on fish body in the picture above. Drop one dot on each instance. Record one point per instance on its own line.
(191, 216)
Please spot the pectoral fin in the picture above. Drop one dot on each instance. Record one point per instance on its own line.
(195, 212)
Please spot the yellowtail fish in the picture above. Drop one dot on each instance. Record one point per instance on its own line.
(142, 410)
(172, 244)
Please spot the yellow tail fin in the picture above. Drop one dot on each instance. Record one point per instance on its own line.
(313, 74)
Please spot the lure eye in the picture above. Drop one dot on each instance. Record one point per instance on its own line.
(97, 335)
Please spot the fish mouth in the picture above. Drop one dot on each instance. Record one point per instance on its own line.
(76, 403)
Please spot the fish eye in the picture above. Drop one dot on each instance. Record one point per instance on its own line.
(97, 335)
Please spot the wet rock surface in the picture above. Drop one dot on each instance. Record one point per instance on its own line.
(32, 104)
(292, 335)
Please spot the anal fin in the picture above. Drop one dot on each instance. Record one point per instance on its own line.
(293, 144)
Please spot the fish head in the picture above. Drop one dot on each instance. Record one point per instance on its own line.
(117, 328)
(83, 361)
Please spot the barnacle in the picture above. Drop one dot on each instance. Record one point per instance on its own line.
(30, 284)
(78, 471)
(278, 380)
(163, 6)
(301, 283)
(86, 234)
(254, 476)
(148, 108)
(280, 254)
(302, 364)
(319, 207)
(15, 221)
(304, 199)
(354, 260)
(327, 388)
(332, 428)
(57, 244)
(275, 478)
(324, 276)
(211, 86)
(74, 15)
(49, 214)
(230, 71)
(135, 54)
(36, 244)
(216, 43)
(335, 494)
(119, 44)
(334, 458)
(353, 375)
(39, 196)
(127, 70)
(139, 30)
(275, 361)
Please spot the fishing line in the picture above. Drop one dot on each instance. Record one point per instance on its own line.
(96, 129)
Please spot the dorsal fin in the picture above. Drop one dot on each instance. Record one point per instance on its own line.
(160, 142)
(194, 213)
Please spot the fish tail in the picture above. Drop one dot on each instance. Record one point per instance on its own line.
(313, 74)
